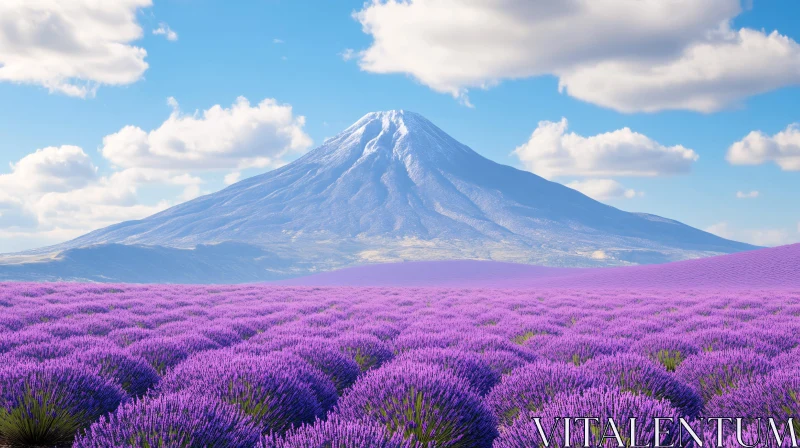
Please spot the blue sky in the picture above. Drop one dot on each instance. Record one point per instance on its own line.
(487, 89)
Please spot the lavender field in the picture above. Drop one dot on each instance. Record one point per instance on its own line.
(258, 366)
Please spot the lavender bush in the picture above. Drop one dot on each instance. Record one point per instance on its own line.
(423, 402)
(337, 434)
(267, 389)
(172, 420)
(46, 404)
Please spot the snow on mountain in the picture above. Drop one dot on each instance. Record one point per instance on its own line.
(395, 187)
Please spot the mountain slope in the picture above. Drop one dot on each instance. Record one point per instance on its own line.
(395, 187)
(766, 268)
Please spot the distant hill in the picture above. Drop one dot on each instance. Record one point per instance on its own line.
(766, 268)
(391, 187)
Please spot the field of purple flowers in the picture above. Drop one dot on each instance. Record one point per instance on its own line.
(96, 366)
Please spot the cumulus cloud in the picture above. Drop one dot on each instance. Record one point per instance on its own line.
(747, 195)
(629, 56)
(164, 30)
(604, 189)
(50, 169)
(757, 148)
(707, 77)
(552, 152)
(71, 47)
(760, 237)
(57, 189)
(241, 136)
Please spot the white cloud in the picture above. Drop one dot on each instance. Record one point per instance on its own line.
(348, 54)
(708, 76)
(232, 178)
(242, 136)
(50, 169)
(33, 215)
(747, 195)
(629, 56)
(552, 152)
(71, 47)
(604, 189)
(758, 148)
(277, 41)
(769, 237)
(164, 30)
(721, 229)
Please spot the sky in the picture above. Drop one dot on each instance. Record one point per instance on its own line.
(111, 111)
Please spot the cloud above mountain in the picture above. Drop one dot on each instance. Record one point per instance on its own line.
(57, 193)
(604, 189)
(757, 148)
(71, 47)
(627, 56)
(240, 136)
(51, 169)
(551, 152)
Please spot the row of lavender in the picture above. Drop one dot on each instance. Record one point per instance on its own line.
(247, 366)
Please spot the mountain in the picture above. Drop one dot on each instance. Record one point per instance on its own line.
(774, 268)
(395, 187)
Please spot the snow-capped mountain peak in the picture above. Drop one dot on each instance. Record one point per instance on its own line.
(396, 134)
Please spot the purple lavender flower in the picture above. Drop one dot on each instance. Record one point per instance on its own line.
(221, 335)
(715, 340)
(127, 336)
(339, 367)
(46, 404)
(161, 353)
(639, 375)
(431, 405)
(776, 395)
(601, 403)
(266, 388)
(577, 349)
(173, 420)
(134, 374)
(502, 362)
(337, 434)
(481, 343)
(714, 373)
(463, 364)
(531, 387)
(414, 340)
(668, 351)
(366, 350)
(42, 351)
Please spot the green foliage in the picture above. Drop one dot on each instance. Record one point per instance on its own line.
(669, 359)
(38, 421)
